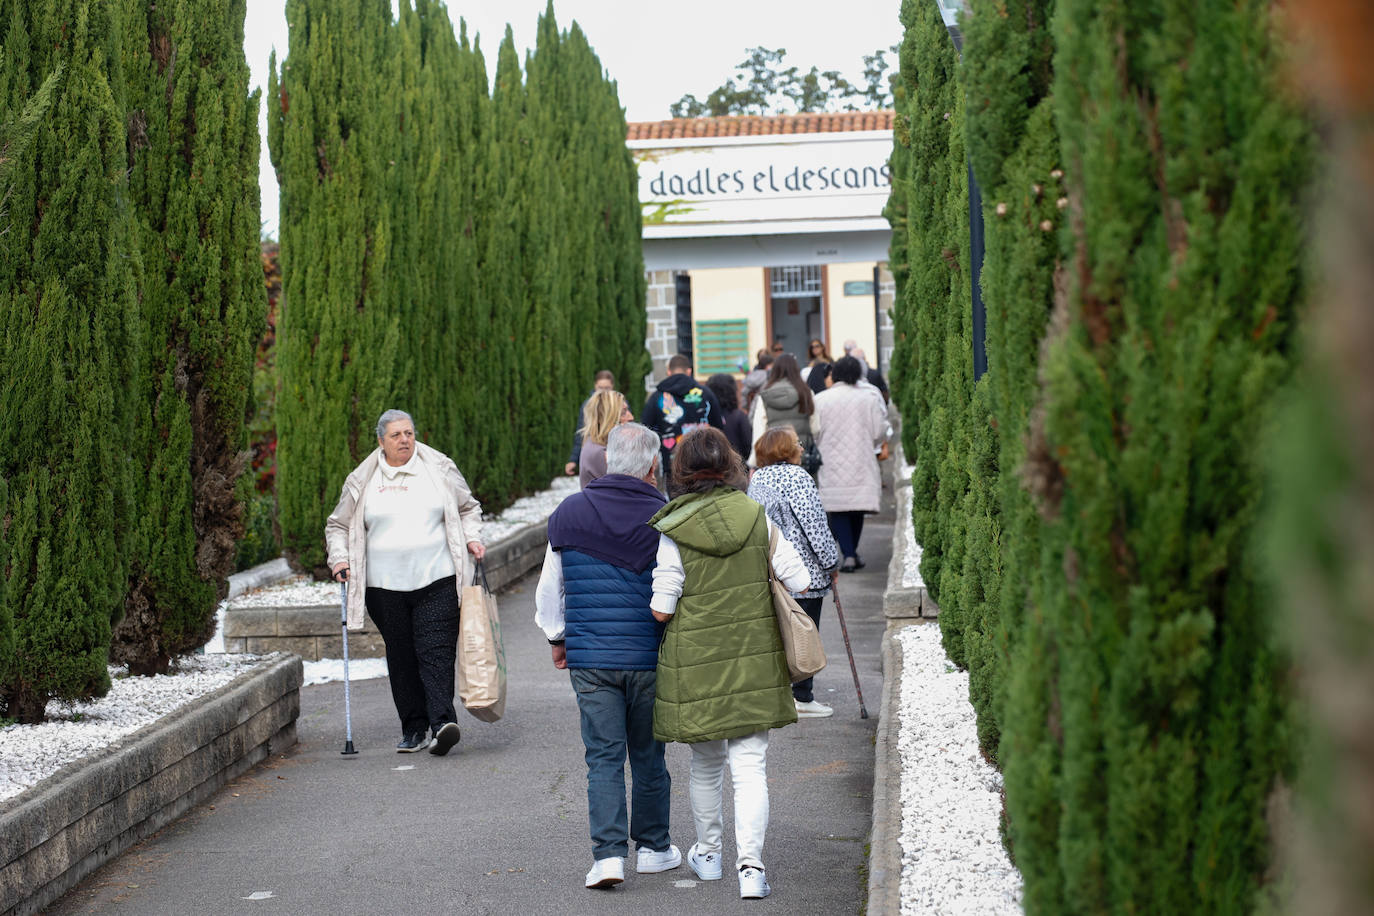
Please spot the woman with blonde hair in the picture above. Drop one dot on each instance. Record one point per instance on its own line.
(605, 411)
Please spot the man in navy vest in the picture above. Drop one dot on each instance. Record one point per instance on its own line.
(593, 604)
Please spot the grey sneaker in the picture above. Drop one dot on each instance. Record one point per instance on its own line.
(752, 884)
(410, 744)
(706, 865)
(445, 737)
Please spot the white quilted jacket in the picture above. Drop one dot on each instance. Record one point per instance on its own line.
(850, 425)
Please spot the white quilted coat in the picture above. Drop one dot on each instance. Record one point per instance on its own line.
(850, 426)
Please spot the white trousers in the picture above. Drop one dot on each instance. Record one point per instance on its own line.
(748, 758)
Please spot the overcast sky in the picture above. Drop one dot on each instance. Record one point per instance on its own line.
(656, 51)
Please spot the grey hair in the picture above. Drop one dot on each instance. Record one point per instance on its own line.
(631, 450)
(391, 416)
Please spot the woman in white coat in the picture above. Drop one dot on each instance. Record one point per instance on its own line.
(850, 426)
(401, 537)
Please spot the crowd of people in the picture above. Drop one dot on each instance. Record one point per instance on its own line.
(659, 607)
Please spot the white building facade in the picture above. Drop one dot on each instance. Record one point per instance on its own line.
(765, 229)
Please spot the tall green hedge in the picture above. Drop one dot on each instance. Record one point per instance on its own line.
(469, 255)
(70, 349)
(337, 333)
(193, 181)
(1088, 509)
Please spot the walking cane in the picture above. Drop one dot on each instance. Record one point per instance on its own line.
(839, 612)
(348, 705)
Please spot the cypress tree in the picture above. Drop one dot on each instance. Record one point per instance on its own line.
(934, 350)
(1008, 72)
(336, 331)
(70, 348)
(193, 143)
(1164, 726)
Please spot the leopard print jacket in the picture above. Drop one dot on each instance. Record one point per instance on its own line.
(789, 497)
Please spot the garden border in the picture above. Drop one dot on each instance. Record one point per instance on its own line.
(59, 831)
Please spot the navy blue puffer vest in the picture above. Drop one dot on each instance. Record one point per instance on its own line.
(609, 624)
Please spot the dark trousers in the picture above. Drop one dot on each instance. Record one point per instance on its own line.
(617, 709)
(801, 691)
(847, 528)
(420, 629)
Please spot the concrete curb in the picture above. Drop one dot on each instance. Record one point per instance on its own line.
(900, 601)
(59, 831)
(269, 573)
(885, 852)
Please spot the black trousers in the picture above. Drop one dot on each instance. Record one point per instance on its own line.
(420, 629)
(801, 691)
(847, 527)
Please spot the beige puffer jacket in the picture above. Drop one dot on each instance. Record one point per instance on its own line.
(346, 537)
(850, 425)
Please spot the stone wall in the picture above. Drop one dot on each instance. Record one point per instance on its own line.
(62, 829)
(316, 632)
(887, 295)
(661, 327)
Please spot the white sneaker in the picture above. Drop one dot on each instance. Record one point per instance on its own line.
(607, 872)
(705, 864)
(813, 710)
(752, 883)
(648, 862)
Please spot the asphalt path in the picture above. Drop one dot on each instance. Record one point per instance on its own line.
(499, 826)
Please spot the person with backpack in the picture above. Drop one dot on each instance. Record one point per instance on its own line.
(677, 406)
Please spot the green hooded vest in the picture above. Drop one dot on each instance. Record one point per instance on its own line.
(721, 668)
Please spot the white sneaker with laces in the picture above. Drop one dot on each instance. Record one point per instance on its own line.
(813, 710)
(648, 862)
(752, 884)
(705, 864)
(606, 872)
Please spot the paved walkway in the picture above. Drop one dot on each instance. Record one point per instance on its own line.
(500, 825)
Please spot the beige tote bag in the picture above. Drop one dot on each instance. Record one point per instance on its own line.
(481, 654)
(801, 641)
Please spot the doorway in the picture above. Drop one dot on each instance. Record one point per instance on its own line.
(796, 308)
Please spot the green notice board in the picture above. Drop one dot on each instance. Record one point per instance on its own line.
(721, 344)
(858, 287)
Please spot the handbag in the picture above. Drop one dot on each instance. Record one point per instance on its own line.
(811, 459)
(801, 641)
(481, 653)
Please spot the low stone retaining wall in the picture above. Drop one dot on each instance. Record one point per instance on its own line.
(900, 601)
(316, 632)
(58, 832)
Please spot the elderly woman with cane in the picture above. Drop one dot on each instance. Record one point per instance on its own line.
(404, 536)
(722, 680)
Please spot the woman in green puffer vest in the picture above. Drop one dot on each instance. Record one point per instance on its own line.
(722, 677)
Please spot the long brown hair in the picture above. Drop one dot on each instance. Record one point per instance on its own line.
(703, 460)
(785, 368)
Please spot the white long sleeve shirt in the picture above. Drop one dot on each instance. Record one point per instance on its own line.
(669, 574)
(668, 577)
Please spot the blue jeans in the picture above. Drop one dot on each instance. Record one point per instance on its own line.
(617, 710)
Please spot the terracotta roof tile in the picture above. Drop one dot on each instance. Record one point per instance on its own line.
(754, 125)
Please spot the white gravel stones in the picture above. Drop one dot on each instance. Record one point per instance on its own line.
(30, 753)
(528, 509)
(952, 856)
(911, 552)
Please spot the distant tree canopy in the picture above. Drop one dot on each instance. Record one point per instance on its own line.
(763, 86)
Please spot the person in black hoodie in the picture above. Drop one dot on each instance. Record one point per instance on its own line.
(677, 406)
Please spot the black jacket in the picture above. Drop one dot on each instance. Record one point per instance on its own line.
(676, 407)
